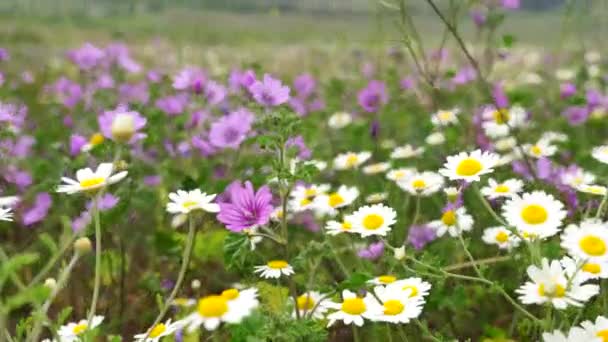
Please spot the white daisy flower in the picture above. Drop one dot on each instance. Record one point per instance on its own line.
(309, 301)
(327, 204)
(95, 140)
(575, 334)
(552, 136)
(351, 160)
(383, 280)
(592, 189)
(397, 306)
(71, 332)
(445, 117)
(159, 331)
(497, 122)
(453, 221)
(587, 241)
(377, 197)
(311, 191)
(183, 302)
(352, 309)
(436, 138)
(585, 270)
(6, 214)
(422, 184)
(508, 188)
(374, 219)
(334, 227)
(212, 310)
(501, 237)
(596, 331)
(564, 74)
(339, 120)
(600, 153)
(373, 169)
(400, 174)
(8, 201)
(184, 202)
(537, 214)
(88, 180)
(577, 177)
(549, 284)
(505, 144)
(592, 57)
(416, 287)
(274, 269)
(541, 149)
(406, 151)
(469, 166)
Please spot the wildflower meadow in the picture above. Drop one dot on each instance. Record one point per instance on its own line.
(442, 178)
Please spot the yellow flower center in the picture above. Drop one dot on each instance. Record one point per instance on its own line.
(91, 182)
(502, 237)
(501, 188)
(536, 150)
(372, 221)
(212, 306)
(414, 290)
(501, 116)
(596, 190)
(557, 291)
(79, 328)
(157, 330)
(592, 245)
(230, 294)
(445, 115)
(305, 201)
(592, 268)
(534, 214)
(188, 204)
(277, 264)
(335, 200)
(603, 334)
(96, 139)
(393, 307)
(353, 306)
(351, 160)
(305, 302)
(399, 174)
(468, 167)
(529, 235)
(310, 192)
(346, 225)
(418, 184)
(387, 279)
(449, 218)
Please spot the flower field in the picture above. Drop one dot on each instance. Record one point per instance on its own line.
(450, 187)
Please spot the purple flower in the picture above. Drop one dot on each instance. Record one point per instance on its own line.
(270, 92)
(77, 142)
(134, 93)
(420, 236)
(203, 146)
(214, 93)
(106, 202)
(68, 92)
(464, 76)
(22, 179)
(407, 83)
(152, 180)
(87, 56)
(372, 97)
(510, 4)
(304, 152)
(189, 78)
(230, 130)
(304, 85)
(81, 222)
(576, 115)
(4, 55)
(104, 81)
(567, 89)
(246, 208)
(499, 96)
(372, 252)
(38, 211)
(478, 16)
(122, 125)
(173, 105)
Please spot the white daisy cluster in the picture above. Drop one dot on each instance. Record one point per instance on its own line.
(588, 331)
(369, 220)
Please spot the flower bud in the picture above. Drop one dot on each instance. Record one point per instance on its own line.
(51, 283)
(451, 193)
(83, 245)
(399, 253)
(195, 284)
(123, 127)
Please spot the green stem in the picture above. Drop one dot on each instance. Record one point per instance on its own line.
(417, 211)
(49, 265)
(97, 263)
(182, 272)
(600, 209)
(14, 277)
(356, 337)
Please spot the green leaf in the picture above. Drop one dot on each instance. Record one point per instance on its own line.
(355, 281)
(33, 295)
(236, 248)
(15, 264)
(508, 40)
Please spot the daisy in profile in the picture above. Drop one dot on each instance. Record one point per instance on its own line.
(497, 122)
(339, 120)
(274, 269)
(453, 221)
(597, 330)
(598, 190)
(540, 149)
(244, 299)
(376, 197)
(311, 303)
(600, 153)
(374, 219)
(184, 202)
(309, 192)
(212, 310)
(397, 175)
(501, 237)
(574, 177)
(505, 144)
(406, 152)
(445, 117)
(334, 227)
(585, 270)
(508, 188)
(383, 280)
(159, 331)
(328, 204)
(88, 180)
(352, 309)
(6, 214)
(422, 184)
(72, 332)
(587, 241)
(575, 334)
(351, 160)
(549, 284)
(8, 201)
(435, 138)
(397, 305)
(536, 213)
(469, 166)
(373, 169)
(416, 288)
(552, 136)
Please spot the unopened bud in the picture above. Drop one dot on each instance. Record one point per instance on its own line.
(399, 253)
(83, 245)
(123, 127)
(195, 284)
(51, 283)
